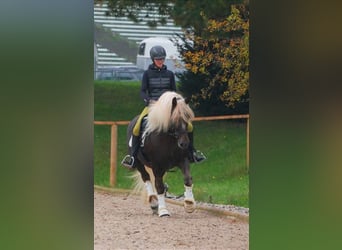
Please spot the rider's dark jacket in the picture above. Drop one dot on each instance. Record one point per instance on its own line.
(155, 82)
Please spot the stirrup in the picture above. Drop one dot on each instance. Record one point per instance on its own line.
(128, 161)
(198, 156)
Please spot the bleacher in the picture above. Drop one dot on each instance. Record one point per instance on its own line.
(125, 28)
(105, 58)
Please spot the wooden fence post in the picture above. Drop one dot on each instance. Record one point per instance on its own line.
(113, 155)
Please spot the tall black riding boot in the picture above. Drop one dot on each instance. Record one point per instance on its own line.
(194, 155)
(128, 161)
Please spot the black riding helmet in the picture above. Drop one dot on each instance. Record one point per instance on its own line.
(157, 52)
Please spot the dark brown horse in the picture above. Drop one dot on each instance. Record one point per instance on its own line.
(165, 146)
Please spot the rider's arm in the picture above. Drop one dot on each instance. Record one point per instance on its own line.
(144, 89)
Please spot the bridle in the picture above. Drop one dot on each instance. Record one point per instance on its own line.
(176, 134)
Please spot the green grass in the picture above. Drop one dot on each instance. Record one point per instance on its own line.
(222, 178)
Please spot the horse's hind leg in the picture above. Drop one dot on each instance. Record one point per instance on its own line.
(152, 197)
(146, 174)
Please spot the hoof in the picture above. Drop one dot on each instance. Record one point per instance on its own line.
(189, 205)
(162, 212)
(154, 203)
(164, 215)
(154, 209)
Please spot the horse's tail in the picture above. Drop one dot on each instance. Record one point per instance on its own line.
(139, 186)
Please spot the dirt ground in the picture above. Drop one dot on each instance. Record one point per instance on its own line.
(123, 221)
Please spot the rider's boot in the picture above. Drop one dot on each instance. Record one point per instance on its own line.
(128, 160)
(194, 155)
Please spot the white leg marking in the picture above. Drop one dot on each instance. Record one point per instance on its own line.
(189, 200)
(149, 188)
(152, 196)
(162, 211)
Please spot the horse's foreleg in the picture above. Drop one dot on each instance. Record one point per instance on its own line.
(162, 211)
(189, 200)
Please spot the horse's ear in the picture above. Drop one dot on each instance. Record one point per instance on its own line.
(187, 100)
(174, 104)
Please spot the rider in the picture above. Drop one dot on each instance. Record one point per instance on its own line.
(156, 80)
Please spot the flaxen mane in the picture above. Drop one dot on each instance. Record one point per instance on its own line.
(160, 117)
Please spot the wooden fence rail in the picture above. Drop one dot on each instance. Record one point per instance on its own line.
(114, 137)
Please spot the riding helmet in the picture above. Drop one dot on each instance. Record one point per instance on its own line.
(157, 52)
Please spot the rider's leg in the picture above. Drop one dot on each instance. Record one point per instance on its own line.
(194, 155)
(128, 161)
(136, 129)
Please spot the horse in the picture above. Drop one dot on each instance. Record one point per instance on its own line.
(165, 146)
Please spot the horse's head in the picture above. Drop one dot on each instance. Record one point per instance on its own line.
(180, 133)
(171, 114)
(179, 123)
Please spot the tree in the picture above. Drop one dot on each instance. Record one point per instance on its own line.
(185, 13)
(220, 60)
(214, 50)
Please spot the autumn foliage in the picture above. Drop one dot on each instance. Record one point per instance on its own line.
(219, 58)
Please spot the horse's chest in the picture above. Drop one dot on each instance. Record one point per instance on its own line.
(163, 150)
